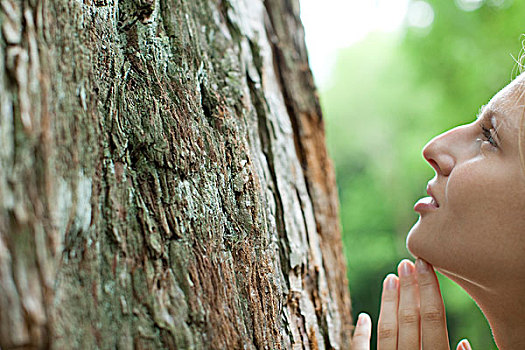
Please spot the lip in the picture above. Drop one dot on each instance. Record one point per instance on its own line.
(427, 203)
(429, 192)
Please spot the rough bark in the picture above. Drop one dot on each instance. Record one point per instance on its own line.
(164, 181)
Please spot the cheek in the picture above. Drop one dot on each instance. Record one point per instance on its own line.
(479, 193)
(484, 198)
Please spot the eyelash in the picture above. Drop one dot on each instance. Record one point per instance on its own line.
(488, 136)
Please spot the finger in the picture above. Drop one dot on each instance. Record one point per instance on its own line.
(387, 324)
(432, 311)
(362, 333)
(464, 345)
(408, 312)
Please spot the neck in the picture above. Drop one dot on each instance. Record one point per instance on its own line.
(504, 307)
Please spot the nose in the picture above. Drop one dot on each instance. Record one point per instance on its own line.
(438, 153)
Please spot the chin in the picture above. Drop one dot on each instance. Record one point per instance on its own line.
(412, 243)
(419, 245)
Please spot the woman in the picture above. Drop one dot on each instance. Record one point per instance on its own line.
(471, 229)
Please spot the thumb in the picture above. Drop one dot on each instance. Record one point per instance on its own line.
(362, 333)
(464, 345)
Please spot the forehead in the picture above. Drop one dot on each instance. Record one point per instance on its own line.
(509, 103)
(510, 97)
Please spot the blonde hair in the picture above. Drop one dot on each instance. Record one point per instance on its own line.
(521, 131)
(518, 69)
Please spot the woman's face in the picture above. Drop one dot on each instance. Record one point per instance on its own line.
(477, 230)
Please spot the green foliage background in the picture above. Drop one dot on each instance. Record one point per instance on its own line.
(388, 96)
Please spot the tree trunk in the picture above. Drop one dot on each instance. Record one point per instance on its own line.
(164, 181)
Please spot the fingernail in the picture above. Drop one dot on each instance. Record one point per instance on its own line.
(465, 345)
(422, 266)
(405, 269)
(362, 320)
(391, 282)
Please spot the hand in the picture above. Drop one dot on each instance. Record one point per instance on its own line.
(412, 313)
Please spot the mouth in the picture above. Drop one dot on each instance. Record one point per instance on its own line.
(434, 201)
(427, 203)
